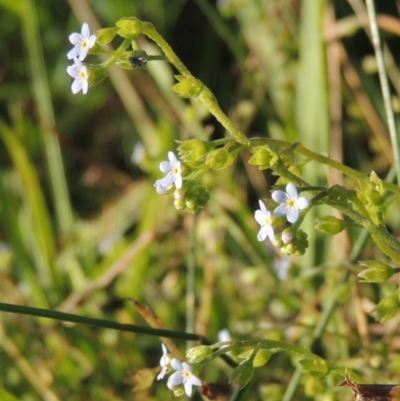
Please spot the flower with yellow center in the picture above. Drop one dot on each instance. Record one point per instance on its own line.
(173, 169)
(81, 75)
(264, 219)
(183, 375)
(290, 203)
(82, 42)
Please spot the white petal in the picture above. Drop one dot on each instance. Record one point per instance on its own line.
(76, 86)
(188, 387)
(279, 196)
(73, 53)
(85, 86)
(175, 380)
(172, 158)
(291, 190)
(186, 367)
(83, 53)
(85, 32)
(176, 364)
(270, 233)
(263, 207)
(281, 210)
(302, 203)
(262, 234)
(293, 215)
(92, 41)
(178, 181)
(75, 39)
(196, 381)
(162, 373)
(166, 167)
(72, 71)
(260, 217)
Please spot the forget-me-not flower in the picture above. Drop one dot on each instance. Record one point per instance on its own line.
(183, 375)
(264, 219)
(82, 42)
(290, 203)
(81, 75)
(173, 169)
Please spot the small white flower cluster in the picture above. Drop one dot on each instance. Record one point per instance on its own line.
(173, 169)
(182, 376)
(290, 206)
(82, 42)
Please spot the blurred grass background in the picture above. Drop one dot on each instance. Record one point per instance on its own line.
(82, 228)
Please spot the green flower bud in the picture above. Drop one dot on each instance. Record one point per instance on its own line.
(187, 87)
(96, 73)
(243, 373)
(129, 27)
(106, 35)
(217, 158)
(330, 225)
(263, 157)
(193, 150)
(287, 235)
(180, 204)
(376, 272)
(197, 354)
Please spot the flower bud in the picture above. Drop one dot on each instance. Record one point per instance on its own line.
(106, 35)
(243, 373)
(129, 27)
(376, 272)
(187, 87)
(197, 354)
(330, 225)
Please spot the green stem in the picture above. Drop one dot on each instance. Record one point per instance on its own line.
(67, 317)
(302, 150)
(206, 96)
(117, 54)
(326, 315)
(384, 85)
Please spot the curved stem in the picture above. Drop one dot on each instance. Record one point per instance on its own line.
(206, 96)
(302, 150)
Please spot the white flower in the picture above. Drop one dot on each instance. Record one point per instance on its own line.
(264, 219)
(173, 169)
(290, 203)
(81, 75)
(161, 188)
(82, 43)
(164, 363)
(183, 375)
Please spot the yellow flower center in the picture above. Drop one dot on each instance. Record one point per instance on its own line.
(84, 44)
(291, 203)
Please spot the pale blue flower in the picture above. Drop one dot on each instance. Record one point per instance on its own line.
(82, 42)
(183, 375)
(173, 169)
(81, 75)
(264, 219)
(290, 203)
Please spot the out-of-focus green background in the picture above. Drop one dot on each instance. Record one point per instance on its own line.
(82, 228)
